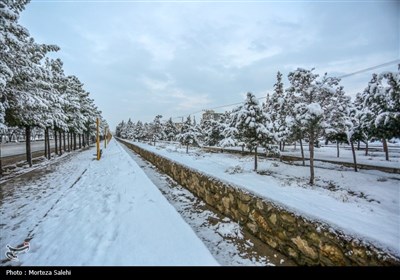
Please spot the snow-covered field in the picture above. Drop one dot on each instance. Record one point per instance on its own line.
(375, 157)
(363, 204)
(88, 212)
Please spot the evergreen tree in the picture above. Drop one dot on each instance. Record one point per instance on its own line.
(130, 129)
(139, 131)
(157, 129)
(189, 134)
(212, 130)
(312, 99)
(250, 123)
(170, 130)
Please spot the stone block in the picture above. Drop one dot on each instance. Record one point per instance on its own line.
(303, 246)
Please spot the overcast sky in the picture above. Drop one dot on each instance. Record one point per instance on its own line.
(174, 58)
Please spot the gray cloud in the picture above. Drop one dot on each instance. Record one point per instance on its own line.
(143, 59)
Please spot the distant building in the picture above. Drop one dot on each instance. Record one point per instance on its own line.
(178, 125)
(211, 115)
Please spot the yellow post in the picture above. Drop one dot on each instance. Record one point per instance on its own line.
(98, 138)
(105, 138)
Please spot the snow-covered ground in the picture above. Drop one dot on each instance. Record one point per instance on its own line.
(363, 204)
(375, 157)
(88, 212)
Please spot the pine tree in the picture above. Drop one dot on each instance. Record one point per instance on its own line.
(379, 107)
(157, 129)
(250, 123)
(170, 130)
(189, 134)
(212, 132)
(130, 129)
(139, 131)
(312, 99)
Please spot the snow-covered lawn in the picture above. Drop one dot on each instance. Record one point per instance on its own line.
(363, 204)
(112, 215)
(374, 157)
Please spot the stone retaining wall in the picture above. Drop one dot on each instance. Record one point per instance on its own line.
(306, 242)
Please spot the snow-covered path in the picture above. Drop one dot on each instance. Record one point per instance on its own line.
(113, 215)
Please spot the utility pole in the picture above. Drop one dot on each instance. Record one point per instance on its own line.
(105, 138)
(98, 138)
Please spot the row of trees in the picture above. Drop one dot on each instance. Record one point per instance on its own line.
(34, 90)
(311, 107)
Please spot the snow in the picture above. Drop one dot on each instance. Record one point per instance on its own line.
(364, 204)
(90, 212)
(376, 158)
(236, 247)
(315, 109)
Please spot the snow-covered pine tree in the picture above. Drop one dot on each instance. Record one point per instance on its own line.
(170, 130)
(379, 108)
(139, 131)
(364, 117)
(55, 117)
(385, 105)
(13, 41)
(23, 96)
(119, 129)
(230, 133)
(276, 112)
(212, 131)
(130, 129)
(157, 129)
(338, 111)
(312, 98)
(189, 134)
(250, 122)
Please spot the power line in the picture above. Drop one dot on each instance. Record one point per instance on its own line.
(340, 77)
(370, 68)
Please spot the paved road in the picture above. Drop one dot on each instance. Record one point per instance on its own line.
(12, 149)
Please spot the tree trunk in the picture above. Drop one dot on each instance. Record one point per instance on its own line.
(337, 148)
(88, 138)
(74, 141)
(295, 145)
(80, 141)
(65, 148)
(311, 147)
(302, 152)
(28, 145)
(283, 146)
(60, 142)
(48, 145)
(280, 145)
(354, 155)
(55, 142)
(68, 142)
(83, 140)
(1, 164)
(255, 159)
(45, 142)
(366, 148)
(187, 148)
(385, 148)
(358, 145)
(71, 143)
